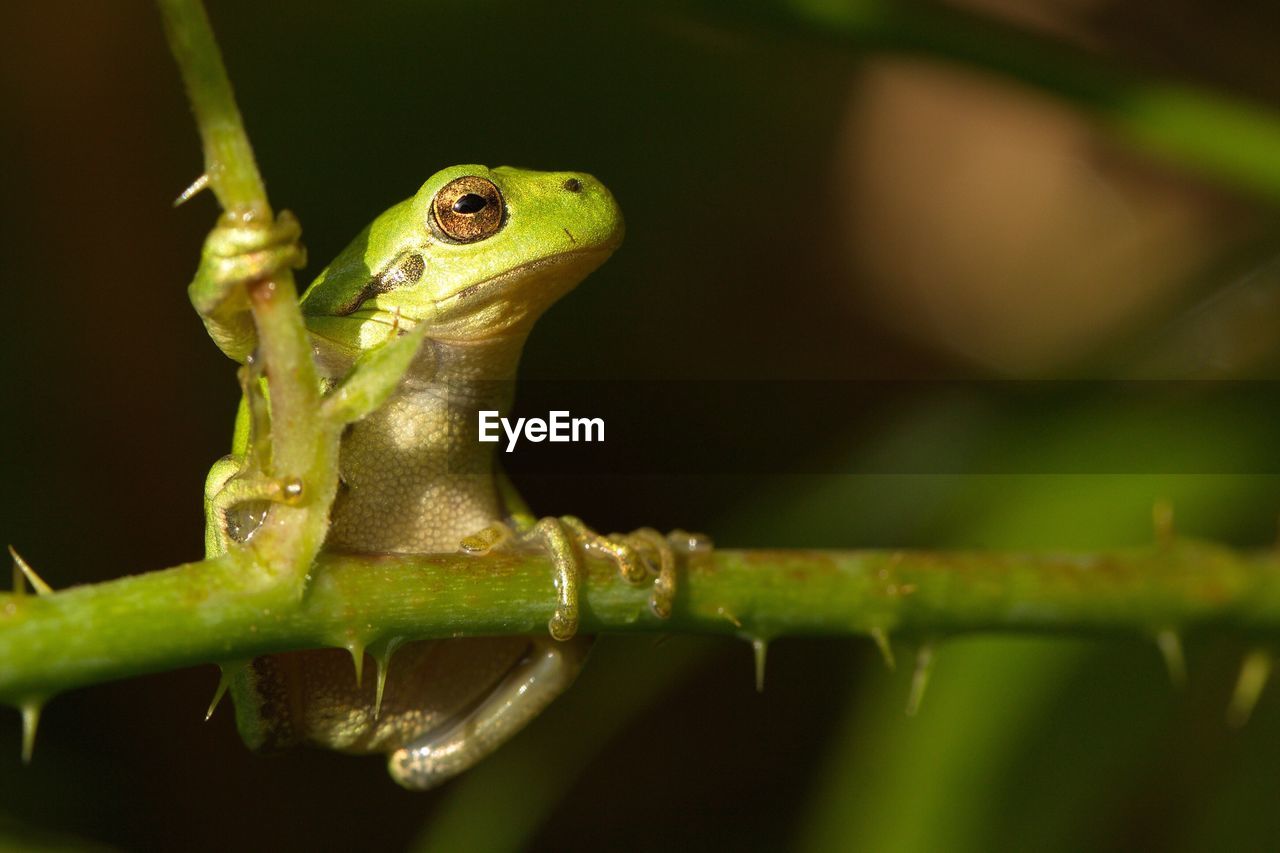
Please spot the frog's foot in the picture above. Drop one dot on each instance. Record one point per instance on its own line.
(641, 556)
(240, 505)
(553, 536)
(240, 251)
(237, 252)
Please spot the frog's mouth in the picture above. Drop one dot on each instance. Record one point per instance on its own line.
(495, 307)
(543, 280)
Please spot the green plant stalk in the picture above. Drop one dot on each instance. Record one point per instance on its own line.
(196, 613)
(229, 162)
(303, 445)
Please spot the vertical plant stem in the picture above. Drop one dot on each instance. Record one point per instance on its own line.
(233, 173)
(301, 445)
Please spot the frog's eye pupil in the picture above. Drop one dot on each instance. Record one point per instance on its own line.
(468, 209)
(470, 203)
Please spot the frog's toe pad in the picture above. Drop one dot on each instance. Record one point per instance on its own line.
(562, 625)
(631, 564)
(481, 543)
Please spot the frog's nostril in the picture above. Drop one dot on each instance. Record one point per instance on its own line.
(573, 185)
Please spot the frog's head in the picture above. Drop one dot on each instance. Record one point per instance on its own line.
(477, 254)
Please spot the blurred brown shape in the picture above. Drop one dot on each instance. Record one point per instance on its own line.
(992, 222)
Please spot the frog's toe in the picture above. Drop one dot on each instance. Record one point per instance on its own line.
(631, 564)
(660, 554)
(232, 237)
(642, 556)
(482, 542)
(237, 252)
(563, 624)
(660, 602)
(615, 546)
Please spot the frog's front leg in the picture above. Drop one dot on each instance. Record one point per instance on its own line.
(546, 671)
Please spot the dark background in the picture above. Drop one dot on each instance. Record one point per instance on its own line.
(795, 212)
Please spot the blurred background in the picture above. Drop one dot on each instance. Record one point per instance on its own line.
(814, 191)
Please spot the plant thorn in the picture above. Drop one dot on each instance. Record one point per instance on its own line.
(728, 615)
(197, 186)
(881, 638)
(760, 649)
(356, 648)
(920, 678)
(382, 657)
(21, 568)
(30, 722)
(226, 672)
(1255, 671)
(1175, 662)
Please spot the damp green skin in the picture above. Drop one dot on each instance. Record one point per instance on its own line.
(446, 704)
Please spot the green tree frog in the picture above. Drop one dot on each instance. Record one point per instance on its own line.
(476, 255)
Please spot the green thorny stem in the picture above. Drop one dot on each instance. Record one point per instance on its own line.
(196, 613)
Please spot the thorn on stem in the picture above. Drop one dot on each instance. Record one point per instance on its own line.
(726, 614)
(881, 638)
(218, 693)
(382, 686)
(382, 657)
(30, 722)
(920, 678)
(1175, 662)
(21, 569)
(197, 186)
(1255, 671)
(226, 672)
(356, 648)
(760, 649)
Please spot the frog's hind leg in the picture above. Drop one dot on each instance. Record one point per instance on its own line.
(541, 675)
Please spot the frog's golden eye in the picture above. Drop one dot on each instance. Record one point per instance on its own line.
(468, 209)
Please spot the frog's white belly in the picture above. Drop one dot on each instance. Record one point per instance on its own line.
(414, 481)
